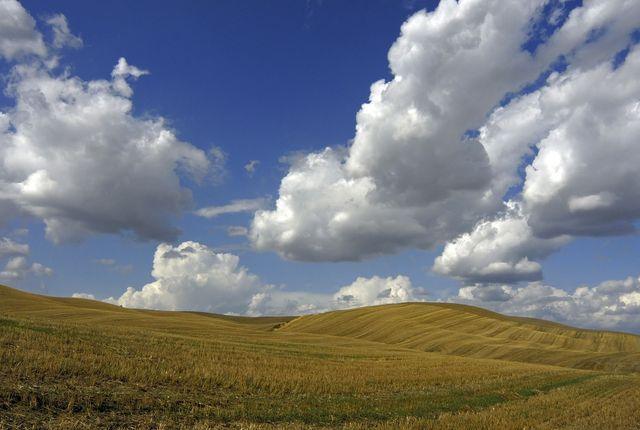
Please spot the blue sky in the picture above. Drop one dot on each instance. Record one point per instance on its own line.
(266, 80)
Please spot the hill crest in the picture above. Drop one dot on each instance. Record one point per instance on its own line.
(445, 328)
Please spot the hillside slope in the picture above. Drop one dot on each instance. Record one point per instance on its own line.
(474, 332)
(73, 363)
(22, 304)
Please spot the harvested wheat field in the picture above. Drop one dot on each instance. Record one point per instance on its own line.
(74, 363)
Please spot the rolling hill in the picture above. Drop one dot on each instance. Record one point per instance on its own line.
(75, 363)
(474, 332)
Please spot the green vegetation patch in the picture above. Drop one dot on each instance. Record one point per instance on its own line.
(23, 325)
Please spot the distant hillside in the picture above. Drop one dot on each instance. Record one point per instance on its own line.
(452, 329)
(64, 309)
(474, 332)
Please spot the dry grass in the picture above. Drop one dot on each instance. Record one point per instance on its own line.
(473, 332)
(69, 363)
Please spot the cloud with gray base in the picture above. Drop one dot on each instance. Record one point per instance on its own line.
(134, 161)
(66, 143)
(415, 176)
(501, 250)
(613, 305)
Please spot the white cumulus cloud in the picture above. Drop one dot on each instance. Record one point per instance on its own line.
(74, 156)
(582, 180)
(503, 249)
(192, 276)
(417, 175)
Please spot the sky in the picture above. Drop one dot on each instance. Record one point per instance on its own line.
(301, 156)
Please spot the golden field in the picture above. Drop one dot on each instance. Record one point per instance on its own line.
(74, 363)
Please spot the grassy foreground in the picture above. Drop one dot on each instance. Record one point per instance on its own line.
(72, 363)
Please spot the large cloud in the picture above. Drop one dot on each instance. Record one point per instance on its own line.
(585, 179)
(322, 215)
(398, 184)
(73, 154)
(610, 305)
(580, 132)
(415, 173)
(192, 276)
(585, 126)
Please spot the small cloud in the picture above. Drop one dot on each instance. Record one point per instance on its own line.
(251, 166)
(237, 230)
(124, 269)
(121, 72)
(242, 205)
(18, 268)
(62, 36)
(83, 296)
(113, 265)
(151, 195)
(41, 270)
(218, 161)
(9, 248)
(17, 265)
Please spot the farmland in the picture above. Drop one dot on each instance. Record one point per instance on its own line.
(75, 363)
